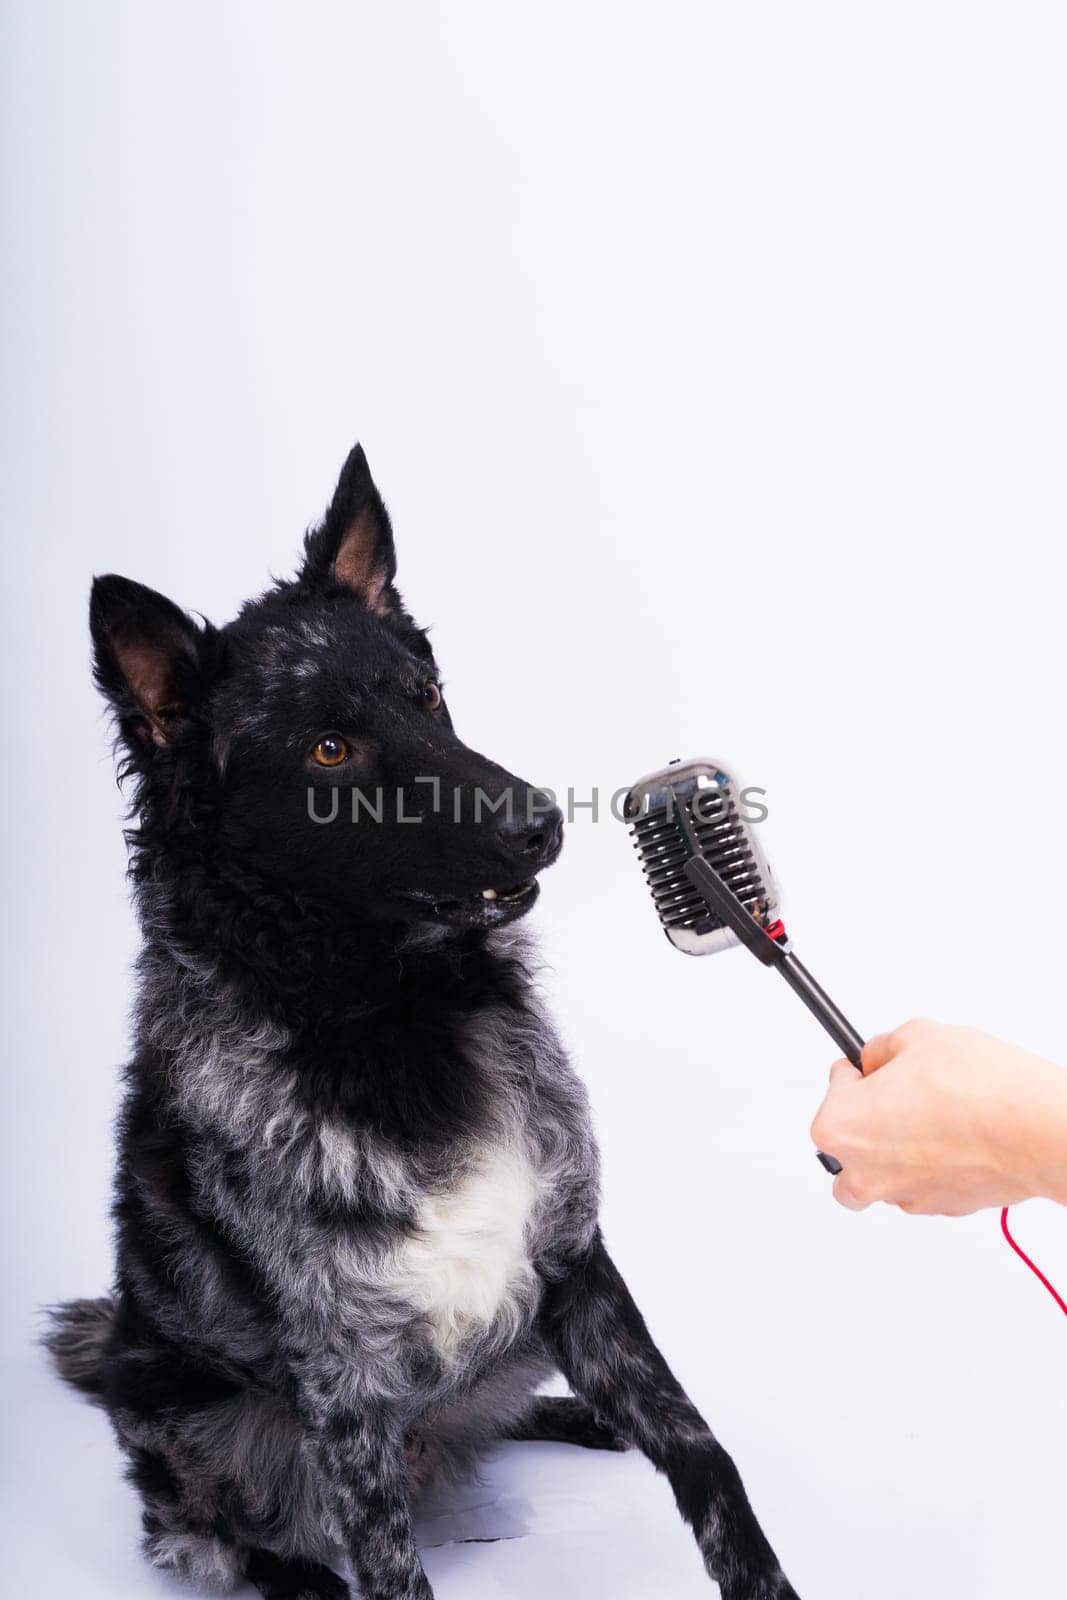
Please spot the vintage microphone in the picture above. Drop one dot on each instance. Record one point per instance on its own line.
(713, 887)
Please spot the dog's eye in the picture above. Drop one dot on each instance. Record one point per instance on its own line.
(330, 751)
(432, 695)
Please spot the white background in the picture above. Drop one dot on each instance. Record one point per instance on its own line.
(711, 359)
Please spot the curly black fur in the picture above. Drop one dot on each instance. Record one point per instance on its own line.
(356, 1200)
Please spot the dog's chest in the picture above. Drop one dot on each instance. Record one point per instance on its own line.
(466, 1265)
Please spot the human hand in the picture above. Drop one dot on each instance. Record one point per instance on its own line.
(945, 1121)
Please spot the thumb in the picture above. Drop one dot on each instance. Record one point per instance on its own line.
(877, 1052)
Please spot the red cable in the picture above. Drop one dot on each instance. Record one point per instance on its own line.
(1036, 1270)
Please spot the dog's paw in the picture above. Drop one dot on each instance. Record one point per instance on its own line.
(598, 1437)
(279, 1579)
(766, 1586)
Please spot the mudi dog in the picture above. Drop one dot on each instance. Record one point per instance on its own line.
(356, 1203)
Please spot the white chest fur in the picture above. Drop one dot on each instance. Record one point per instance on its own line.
(467, 1265)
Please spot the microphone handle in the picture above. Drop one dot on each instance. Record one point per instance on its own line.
(822, 1007)
(832, 1018)
(721, 899)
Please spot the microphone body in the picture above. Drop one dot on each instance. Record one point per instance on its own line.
(725, 841)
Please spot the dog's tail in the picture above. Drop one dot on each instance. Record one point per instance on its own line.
(76, 1339)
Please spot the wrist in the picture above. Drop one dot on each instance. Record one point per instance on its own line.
(1041, 1137)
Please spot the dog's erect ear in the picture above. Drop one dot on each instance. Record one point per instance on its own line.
(148, 657)
(354, 544)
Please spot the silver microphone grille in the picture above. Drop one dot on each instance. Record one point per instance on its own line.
(709, 792)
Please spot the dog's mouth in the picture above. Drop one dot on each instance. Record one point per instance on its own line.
(487, 908)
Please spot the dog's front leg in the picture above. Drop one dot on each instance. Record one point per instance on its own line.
(608, 1356)
(360, 1451)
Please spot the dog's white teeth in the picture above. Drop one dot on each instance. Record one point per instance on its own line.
(488, 894)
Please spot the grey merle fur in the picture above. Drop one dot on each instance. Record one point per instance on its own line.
(342, 1080)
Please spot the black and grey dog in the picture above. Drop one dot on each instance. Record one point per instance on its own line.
(357, 1190)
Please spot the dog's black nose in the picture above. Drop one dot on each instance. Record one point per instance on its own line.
(534, 831)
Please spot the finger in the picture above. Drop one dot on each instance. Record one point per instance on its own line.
(842, 1072)
(877, 1052)
(932, 1207)
(847, 1195)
